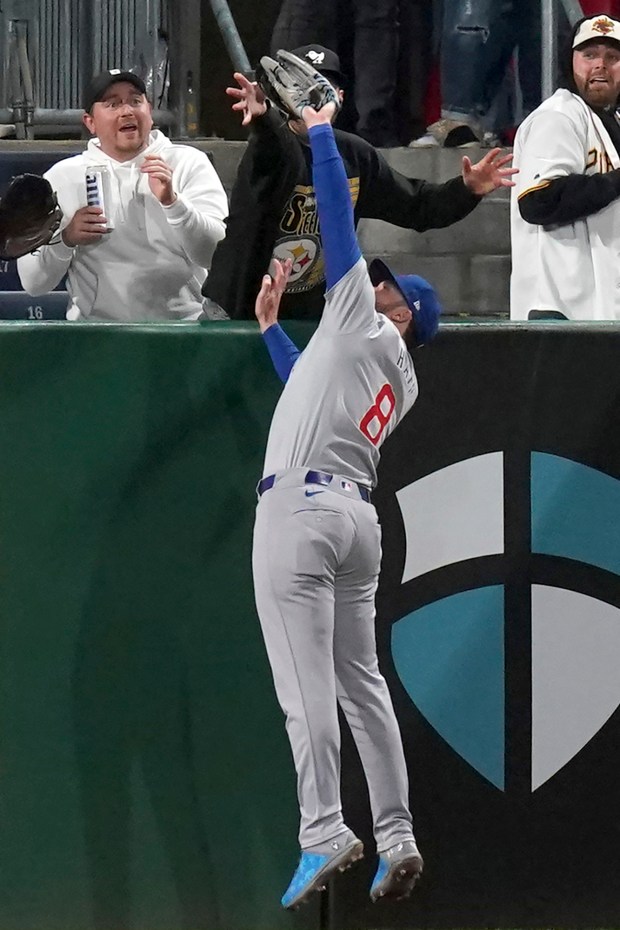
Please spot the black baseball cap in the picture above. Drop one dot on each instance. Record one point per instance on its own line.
(99, 84)
(323, 59)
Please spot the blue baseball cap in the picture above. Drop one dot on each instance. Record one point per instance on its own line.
(420, 297)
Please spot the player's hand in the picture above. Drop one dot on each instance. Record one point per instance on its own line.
(160, 179)
(312, 117)
(250, 99)
(489, 174)
(268, 301)
(88, 224)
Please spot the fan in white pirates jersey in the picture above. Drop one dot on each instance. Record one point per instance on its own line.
(317, 541)
(565, 227)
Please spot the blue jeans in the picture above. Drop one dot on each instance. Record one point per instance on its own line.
(478, 38)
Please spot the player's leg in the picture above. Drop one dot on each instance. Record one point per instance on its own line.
(362, 690)
(297, 543)
(365, 700)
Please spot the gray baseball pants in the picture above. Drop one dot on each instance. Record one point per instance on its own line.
(316, 559)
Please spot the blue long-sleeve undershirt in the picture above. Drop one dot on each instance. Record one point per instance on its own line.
(337, 228)
(283, 351)
(335, 207)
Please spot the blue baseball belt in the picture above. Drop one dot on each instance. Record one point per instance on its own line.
(312, 477)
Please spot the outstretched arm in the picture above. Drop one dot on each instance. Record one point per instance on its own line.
(283, 351)
(249, 99)
(333, 196)
(388, 195)
(491, 173)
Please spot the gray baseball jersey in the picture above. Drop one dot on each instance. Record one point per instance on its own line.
(316, 558)
(348, 390)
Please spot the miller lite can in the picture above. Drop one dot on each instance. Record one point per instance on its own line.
(98, 190)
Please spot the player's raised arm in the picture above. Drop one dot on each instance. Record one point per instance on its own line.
(308, 95)
(334, 204)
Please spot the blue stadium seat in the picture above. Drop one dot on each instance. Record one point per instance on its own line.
(9, 278)
(16, 305)
(13, 163)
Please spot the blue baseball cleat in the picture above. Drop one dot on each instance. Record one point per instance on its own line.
(316, 869)
(400, 867)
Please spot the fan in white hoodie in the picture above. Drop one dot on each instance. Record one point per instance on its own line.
(166, 205)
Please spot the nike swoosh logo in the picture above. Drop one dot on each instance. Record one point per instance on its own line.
(312, 493)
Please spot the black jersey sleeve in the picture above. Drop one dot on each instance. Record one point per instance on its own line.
(570, 198)
(386, 194)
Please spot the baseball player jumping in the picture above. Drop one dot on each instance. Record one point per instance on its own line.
(317, 541)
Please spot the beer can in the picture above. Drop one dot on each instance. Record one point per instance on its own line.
(98, 190)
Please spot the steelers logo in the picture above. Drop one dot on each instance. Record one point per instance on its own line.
(302, 252)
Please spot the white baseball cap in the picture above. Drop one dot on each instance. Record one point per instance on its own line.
(597, 28)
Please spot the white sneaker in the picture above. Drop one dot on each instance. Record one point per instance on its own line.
(452, 133)
(426, 141)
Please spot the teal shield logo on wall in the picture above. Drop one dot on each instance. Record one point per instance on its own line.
(450, 654)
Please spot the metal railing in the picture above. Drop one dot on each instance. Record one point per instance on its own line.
(549, 10)
(52, 48)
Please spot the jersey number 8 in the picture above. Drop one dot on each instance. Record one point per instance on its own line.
(378, 416)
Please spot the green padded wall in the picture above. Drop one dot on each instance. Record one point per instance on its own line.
(145, 778)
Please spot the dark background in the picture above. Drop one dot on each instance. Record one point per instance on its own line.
(513, 858)
(255, 22)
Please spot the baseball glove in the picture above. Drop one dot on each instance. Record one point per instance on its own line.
(29, 216)
(292, 84)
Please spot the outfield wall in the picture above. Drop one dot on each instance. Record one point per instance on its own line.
(145, 776)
